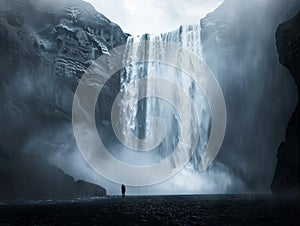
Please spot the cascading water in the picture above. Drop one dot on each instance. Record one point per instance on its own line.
(177, 119)
(137, 117)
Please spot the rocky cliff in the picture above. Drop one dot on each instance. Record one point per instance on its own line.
(45, 46)
(287, 174)
(239, 47)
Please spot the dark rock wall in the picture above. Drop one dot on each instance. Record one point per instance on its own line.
(45, 46)
(239, 47)
(287, 173)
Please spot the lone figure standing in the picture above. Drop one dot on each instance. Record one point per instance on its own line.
(123, 190)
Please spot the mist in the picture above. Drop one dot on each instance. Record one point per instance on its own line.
(238, 45)
(260, 94)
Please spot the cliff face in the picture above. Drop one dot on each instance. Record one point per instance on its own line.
(45, 46)
(287, 173)
(239, 47)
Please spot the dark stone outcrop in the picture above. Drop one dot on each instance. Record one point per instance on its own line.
(45, 47)
(239, 47)
(287, 173)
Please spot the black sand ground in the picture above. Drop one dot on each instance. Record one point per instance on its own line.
(153, 210)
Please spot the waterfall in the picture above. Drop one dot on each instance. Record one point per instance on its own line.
(137, 117)
(168, 108)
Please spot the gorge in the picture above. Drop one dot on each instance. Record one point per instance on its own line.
(46, 46)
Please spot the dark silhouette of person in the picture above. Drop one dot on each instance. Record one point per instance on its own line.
(123, 190)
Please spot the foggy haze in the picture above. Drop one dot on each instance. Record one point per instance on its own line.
(238, 46)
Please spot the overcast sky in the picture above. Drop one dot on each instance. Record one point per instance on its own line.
(154, 16)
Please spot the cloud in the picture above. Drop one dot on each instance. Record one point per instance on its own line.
(154, 16)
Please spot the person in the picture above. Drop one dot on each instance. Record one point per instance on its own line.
(123, 190)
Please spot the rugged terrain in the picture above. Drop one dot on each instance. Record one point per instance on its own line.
(45, 46)
(158, 210)
(238, 40)
(287, 174)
